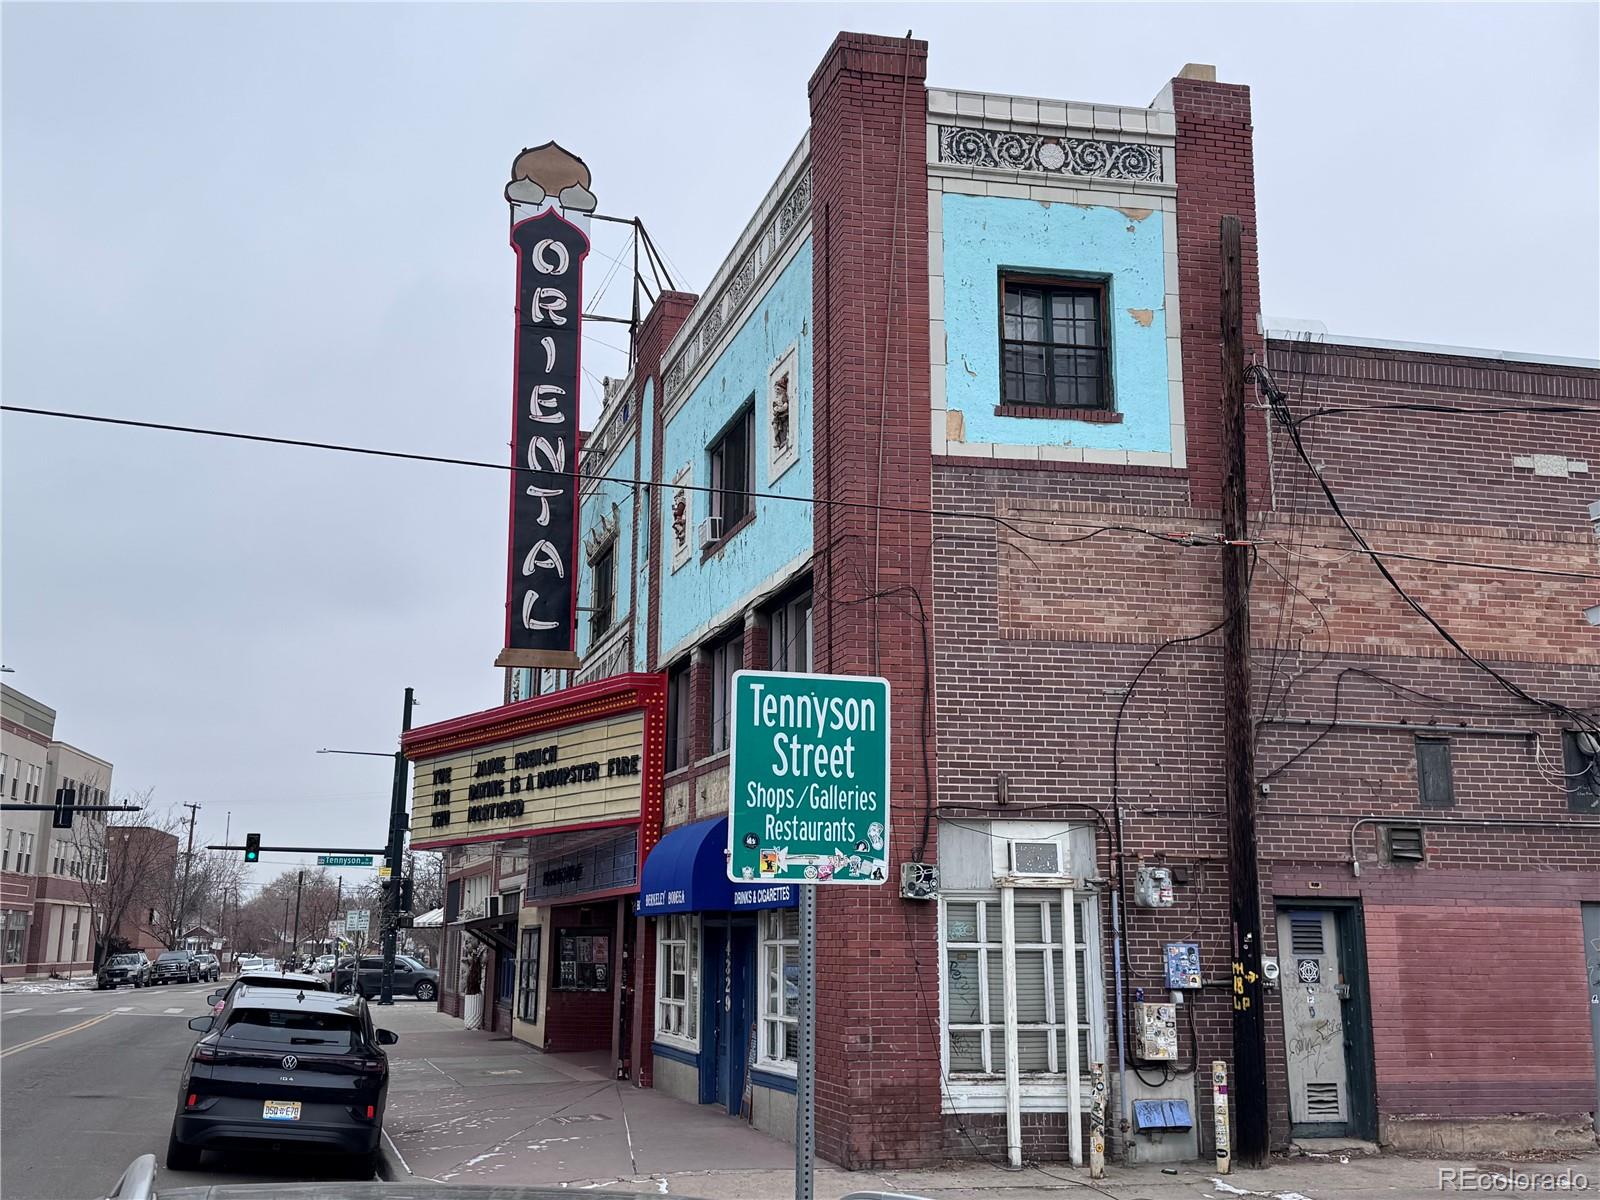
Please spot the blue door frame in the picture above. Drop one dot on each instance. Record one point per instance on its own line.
(728, 960)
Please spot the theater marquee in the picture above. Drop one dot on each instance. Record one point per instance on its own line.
(586, 757)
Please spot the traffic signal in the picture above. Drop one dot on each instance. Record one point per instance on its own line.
(252, 847)
(65, 798)
(405, 894)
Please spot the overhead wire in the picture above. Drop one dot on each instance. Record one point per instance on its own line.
(1279, 405)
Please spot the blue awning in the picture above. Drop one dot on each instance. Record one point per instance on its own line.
(688, 872)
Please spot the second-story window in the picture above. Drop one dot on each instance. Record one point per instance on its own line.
(727, 656)
(604, 572)
(680, 738)
(1054, 350)
(789, 635)
(730, 475)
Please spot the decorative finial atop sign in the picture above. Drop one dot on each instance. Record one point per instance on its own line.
(548, 171)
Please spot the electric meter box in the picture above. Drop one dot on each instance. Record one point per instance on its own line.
(1155, 1031)
(1152, 887)
(1183, 966)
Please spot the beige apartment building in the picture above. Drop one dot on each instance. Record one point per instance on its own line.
(45, 925)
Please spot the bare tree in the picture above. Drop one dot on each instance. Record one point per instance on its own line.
(123, 865)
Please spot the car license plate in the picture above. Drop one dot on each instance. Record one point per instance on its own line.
(280, 1110)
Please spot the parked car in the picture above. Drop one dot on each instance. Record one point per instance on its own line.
(177, 966)
(124, 968)
(210, 966)
(294, 1068)
(365, 976)
(324, 964)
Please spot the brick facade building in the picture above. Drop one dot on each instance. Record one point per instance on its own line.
(950, 413)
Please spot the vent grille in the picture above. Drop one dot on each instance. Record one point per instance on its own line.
(1305, 934)
(1036, 858)
(1405, 843)
(1322, 1100)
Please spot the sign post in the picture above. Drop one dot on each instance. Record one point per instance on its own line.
(809, 805)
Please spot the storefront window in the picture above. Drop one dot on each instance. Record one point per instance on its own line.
(678, 979)
(528, 964)
(780, 989)
(16, 929)
(973, 968)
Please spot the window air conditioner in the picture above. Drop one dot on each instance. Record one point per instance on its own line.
(710, 530)
(1036, 858)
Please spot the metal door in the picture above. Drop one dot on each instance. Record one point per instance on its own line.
(1314, 989)
(1591, 959)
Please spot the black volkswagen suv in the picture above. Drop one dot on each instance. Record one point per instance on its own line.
(291, 1069)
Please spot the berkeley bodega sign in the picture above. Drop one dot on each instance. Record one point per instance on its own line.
(810, 778)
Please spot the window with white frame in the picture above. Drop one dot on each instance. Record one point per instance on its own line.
(779, 1047)
(973, 982)
(25, 854)
(678, 979)
(5, 863)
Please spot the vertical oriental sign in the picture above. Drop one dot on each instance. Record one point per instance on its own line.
(810, 778)
(541, 615)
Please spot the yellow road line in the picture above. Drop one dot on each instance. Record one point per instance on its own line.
(50, 1037)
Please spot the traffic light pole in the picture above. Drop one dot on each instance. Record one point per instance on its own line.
(397, 835)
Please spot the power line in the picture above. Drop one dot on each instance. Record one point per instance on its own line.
(1190, 539)
(1186, 539)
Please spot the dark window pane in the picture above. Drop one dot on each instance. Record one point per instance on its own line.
(1052, 348)
(1033, 390)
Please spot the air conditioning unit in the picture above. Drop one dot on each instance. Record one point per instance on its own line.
(1036, 858)
(919, 881)
(710, 530)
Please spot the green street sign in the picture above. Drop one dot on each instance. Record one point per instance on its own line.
(344, 860)
(810, 778)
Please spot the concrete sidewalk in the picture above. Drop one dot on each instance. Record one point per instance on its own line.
(468, 1107)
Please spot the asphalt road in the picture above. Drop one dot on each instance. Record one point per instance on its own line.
(89, 1081)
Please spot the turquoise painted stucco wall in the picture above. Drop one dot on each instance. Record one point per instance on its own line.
(596, 504)
(647, 422)
(985, 235)
(781, 531)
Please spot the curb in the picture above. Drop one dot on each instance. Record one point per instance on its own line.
(391, 1167)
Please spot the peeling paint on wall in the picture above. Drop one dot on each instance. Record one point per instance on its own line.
(984, 236)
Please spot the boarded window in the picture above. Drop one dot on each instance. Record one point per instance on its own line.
(1435, 783)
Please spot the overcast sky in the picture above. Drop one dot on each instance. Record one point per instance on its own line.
(287, 219)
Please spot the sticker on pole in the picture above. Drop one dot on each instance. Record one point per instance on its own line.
(810, 778)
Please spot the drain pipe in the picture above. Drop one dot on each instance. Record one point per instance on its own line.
(1122, 1041)
(1463, 822)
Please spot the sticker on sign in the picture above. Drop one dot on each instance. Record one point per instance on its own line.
(809, 761)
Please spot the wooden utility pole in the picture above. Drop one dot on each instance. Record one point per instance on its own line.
(188, 863)
(1249, 1031)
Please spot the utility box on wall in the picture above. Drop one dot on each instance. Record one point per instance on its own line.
(1155, 1030)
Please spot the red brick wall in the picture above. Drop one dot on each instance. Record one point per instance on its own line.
(878, 1093)
(1484, 1011)
(1216, 178)
(1045, 638)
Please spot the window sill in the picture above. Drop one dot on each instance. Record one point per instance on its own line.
(774, 1080)
(677, 1043)
(781, 1070)
(1044, 412)
(715, 548)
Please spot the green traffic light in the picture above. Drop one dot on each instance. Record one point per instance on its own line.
(252, 847)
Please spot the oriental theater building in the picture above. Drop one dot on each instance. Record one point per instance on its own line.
(950, 413)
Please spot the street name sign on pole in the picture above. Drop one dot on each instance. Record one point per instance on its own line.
(809, 804)
(344, 860)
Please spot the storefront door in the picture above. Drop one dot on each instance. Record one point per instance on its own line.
(730, 971)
